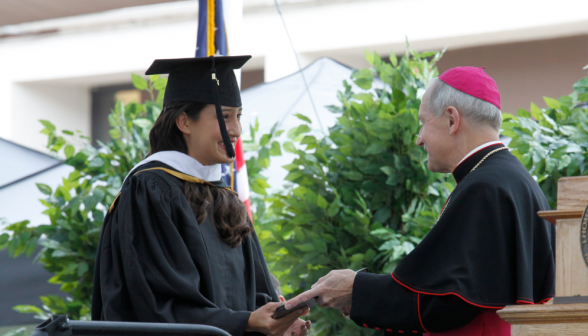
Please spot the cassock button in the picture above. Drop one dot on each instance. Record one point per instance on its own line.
(365, 325)
(377, 328)
(415, 331)
(400, 331)
(389, 330)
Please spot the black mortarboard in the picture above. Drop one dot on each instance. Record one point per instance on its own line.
(208, 80)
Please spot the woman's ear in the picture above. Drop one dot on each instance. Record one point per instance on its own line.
(182, 121)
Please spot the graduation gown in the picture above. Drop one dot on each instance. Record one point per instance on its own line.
(489, 249)
(156, 263)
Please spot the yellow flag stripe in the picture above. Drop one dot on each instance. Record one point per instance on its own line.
(210, 29)
(233, 175)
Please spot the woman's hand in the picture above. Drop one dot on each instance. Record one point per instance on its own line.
(261, 320)
(299, 328)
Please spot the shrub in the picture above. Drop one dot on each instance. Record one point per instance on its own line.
(552, 142)
(361, 196)
(76, 208)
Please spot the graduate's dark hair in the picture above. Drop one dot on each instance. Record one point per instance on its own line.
(165, 134)
(228, 212)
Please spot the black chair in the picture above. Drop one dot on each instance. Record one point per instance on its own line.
(60, 325)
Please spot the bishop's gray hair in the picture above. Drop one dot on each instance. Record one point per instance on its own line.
(475, 110)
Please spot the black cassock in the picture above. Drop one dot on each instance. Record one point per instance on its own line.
(155, 263)
(489, 249)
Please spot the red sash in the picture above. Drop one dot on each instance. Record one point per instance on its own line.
(488, 323)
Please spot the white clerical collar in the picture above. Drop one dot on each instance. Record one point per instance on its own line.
(487, 144)
(184, 164)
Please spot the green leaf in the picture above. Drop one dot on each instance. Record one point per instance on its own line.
(275, 149)
(294, 132)
(322, 202)
(308, 247)
(535, 112)
(299, 192)
(293, 175)
(4, 240)
(160, 84)
(333, 209)
(69, 151)
(564, 162)
(264, 140)
(97, 162)
(48, 125)
(13, 245)
(139, 82)
(408, 247)
(60, 254)
(302, 117)
(143, 123)
(428, 54)
(45, 189)
(387, 170)
(389, 245)
(308, 140)
(353, 175)
(31, 246)
(289, 147)
(523, 113)
(508, 116)
(581, 86)
(29, 309)
(83, 268)
(551, 103)
(363, 78)
(377, 147)
(393, 59)
(114, 133)
(369, 57)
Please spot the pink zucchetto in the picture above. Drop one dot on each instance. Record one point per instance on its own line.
(473, 81)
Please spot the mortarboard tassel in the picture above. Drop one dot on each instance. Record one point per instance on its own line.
(219, 114)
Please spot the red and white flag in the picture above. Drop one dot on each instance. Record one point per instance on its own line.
(235, 175)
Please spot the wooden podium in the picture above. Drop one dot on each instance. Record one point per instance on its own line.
(571, 279)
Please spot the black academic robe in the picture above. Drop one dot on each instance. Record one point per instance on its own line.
(156, 263)
(489, 249)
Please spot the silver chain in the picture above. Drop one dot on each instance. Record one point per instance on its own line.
(476, 166)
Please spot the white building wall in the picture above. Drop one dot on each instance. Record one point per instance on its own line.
(66, 106)
(104, 48)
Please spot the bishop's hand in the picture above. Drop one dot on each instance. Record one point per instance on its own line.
(333, 290)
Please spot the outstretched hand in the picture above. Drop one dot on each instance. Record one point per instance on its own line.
(299, 328)
(333, 290)
(262, 321)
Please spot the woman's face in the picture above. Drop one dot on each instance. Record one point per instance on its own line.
(203, 136)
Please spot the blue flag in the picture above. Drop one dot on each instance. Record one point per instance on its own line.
(212, 33)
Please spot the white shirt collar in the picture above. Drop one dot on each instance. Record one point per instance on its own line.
(487, 144)
(183, 163)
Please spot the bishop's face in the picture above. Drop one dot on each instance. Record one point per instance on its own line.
(434, 138)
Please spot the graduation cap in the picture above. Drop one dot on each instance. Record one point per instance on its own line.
(208, 80)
